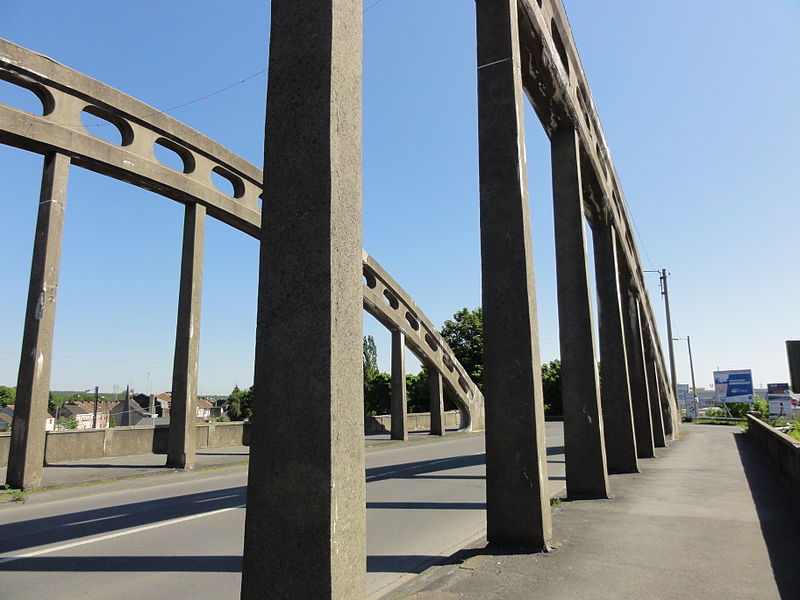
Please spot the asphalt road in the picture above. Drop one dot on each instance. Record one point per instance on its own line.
(182, 536)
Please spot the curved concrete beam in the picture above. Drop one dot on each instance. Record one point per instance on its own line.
(65, 94)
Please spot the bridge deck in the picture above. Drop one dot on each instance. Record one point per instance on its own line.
(708, 518)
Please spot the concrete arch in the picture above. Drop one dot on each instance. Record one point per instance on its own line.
(66, 93)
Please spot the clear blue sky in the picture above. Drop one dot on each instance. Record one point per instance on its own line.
(699, 104)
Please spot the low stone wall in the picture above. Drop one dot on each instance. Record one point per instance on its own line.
(125, 441)
(416, 422)
(784, 449)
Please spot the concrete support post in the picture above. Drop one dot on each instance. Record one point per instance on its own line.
(183, 413)
(584, 446)
(638, 378)
(666, 409)
(437, 403)
(26, 454)
(615, 393)
(655, 391)
(399, 408)
(306, 497)
(517, 497)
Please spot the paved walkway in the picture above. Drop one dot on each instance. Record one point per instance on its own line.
(709, 518)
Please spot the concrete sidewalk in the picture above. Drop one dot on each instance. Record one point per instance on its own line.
(709, 518)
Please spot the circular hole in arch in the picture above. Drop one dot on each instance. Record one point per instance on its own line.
(173, 155)
(106, 126)
(226, 182)
(369, 279)
(24, 95)
(391, 299)
(431, 342)
(411, 320)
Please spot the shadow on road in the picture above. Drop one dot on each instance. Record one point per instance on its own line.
(421, 467)
(777, 509)
(49, 530)
(127, 564)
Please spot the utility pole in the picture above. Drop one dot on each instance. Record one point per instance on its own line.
(691, 368)
(96, 398)
(665, 293)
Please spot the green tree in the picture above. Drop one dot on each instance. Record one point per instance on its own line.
(68, 422)
(551, 388)
(761, 406)
(240, 404)
(378, 395)
(370, 359)
(8, 395)
(418, 391)
(464, 335)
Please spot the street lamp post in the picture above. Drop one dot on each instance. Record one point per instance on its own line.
(96, 398)
(691, 369)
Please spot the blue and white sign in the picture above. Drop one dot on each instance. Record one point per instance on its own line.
(734, 386)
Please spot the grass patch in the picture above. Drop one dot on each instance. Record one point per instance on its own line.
(712, 421)
(13, 495)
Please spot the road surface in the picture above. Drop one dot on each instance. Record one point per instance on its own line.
(150, 537)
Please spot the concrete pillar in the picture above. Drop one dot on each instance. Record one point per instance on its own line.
(584, 446)
(26, 454)
(399, 405)
(306, 497)
(615, 393)
(437, 402)
(638, 378)
(666, 408)
(655, 391)
(517, 496)
(183, 413)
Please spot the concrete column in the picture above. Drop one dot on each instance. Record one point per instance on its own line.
(183, 412)
(615, 393)
(655, 391)
(437, 403)
(399, 406)
(666, 408)
(306, 502)
(584, 446)
(638, 378)
(26, 454)
(517, 496)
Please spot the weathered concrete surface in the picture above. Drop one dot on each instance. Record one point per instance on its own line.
(517, 503)
(437, 404)
(637, 373)
(783, 449)
(26, 454)
(654, 393)
(615, 393)
(686, 527)
(183, 413)
(587, 475)
(305, 532)
(398, 395)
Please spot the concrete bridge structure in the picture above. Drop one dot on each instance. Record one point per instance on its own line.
(315, 279)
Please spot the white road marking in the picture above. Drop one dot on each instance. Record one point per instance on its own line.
(118, 534)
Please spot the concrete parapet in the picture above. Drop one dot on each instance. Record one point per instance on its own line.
(782, 448)
(126, 441)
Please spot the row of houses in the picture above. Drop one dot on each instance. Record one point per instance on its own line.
(133, 409)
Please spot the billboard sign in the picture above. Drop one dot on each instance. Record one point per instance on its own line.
(734, 386)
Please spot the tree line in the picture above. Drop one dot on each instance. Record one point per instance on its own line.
(463, 333)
